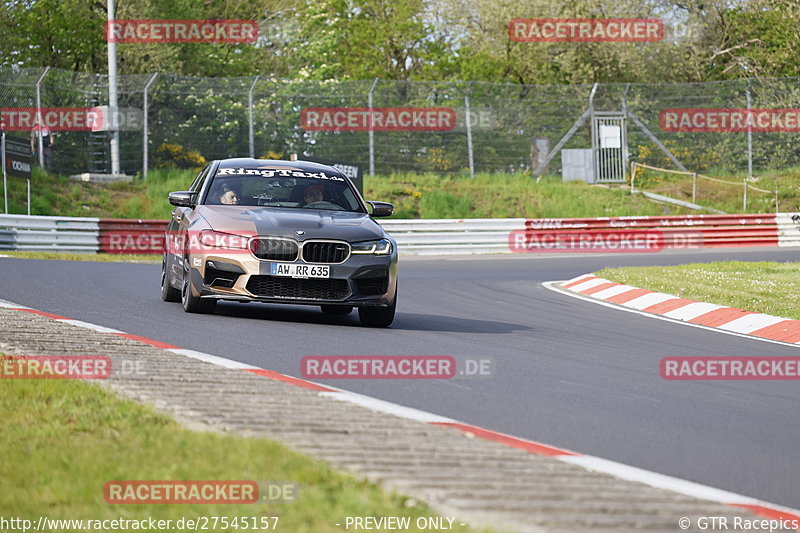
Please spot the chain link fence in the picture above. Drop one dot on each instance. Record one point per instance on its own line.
(509, 128)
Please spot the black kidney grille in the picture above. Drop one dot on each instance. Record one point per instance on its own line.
(325, 252)
(300, 289)
(274, 249)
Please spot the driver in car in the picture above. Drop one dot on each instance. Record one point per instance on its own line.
(313, 194)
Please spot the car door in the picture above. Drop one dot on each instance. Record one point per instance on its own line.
(177, 229)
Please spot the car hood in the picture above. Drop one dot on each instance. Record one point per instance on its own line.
(284, 222)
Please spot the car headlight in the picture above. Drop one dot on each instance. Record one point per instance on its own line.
(379, 247)
(218, 239)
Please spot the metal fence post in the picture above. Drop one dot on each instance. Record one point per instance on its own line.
(39, 115)
(145, 134)
(625, 151)
(3, 158)
(595, 135)
(250, 135)
(113, 100)
(469, 132)
(749, 136)
(744, 196)
(371, 131)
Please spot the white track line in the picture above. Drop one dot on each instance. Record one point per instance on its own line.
(88, 325)
(552, 285)
(213, 359)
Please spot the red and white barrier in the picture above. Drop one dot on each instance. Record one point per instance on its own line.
(632, 234)
(126, 236)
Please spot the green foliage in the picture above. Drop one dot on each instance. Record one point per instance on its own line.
(66, 34)
(365, 39)
(415, 39)
(176, 156)
(761, 40)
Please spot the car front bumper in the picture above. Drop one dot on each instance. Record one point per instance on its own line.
(362, 280)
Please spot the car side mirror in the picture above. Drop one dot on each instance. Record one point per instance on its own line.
(381, 209)
(182, 198)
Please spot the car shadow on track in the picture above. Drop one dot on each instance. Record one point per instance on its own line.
(402, 322)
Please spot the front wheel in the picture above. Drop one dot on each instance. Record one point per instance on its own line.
(168, 292)
(192, 303)
(378, 317)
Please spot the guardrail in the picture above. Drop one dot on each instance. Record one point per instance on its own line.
(435, 236)
(39, 233)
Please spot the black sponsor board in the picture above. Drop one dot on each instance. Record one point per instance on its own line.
(351, 170)
(19, 158)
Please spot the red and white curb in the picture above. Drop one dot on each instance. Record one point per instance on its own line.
(729, 320)
(597, 464)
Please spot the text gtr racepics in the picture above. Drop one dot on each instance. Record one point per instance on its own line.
(279, 232)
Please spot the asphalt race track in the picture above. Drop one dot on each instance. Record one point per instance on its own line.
(569, 373)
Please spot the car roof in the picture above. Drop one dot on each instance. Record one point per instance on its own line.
(248, 162)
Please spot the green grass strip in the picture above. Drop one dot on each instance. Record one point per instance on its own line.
(63, 440)
(763, 287)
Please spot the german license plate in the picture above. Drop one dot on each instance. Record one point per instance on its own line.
(294, 270)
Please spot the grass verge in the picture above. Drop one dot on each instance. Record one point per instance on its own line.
(764, 287)
(102, 258)
(504, 196)
(728, 196)
(414, 196)
(63, 440)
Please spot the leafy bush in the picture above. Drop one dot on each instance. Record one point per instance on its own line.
(176, 156)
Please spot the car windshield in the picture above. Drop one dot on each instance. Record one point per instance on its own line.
(274, 187)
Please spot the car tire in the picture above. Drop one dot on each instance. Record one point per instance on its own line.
(191, 303)
(168, 292)
(378, 317)
(337, 309)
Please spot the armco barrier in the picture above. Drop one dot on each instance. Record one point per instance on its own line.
(431, 236)
(38, 233)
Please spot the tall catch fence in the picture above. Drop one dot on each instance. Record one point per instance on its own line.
(487, 127)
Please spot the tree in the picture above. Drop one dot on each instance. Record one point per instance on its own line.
(66, 34)
(364, 39)
(69, 34)
(757, 38)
